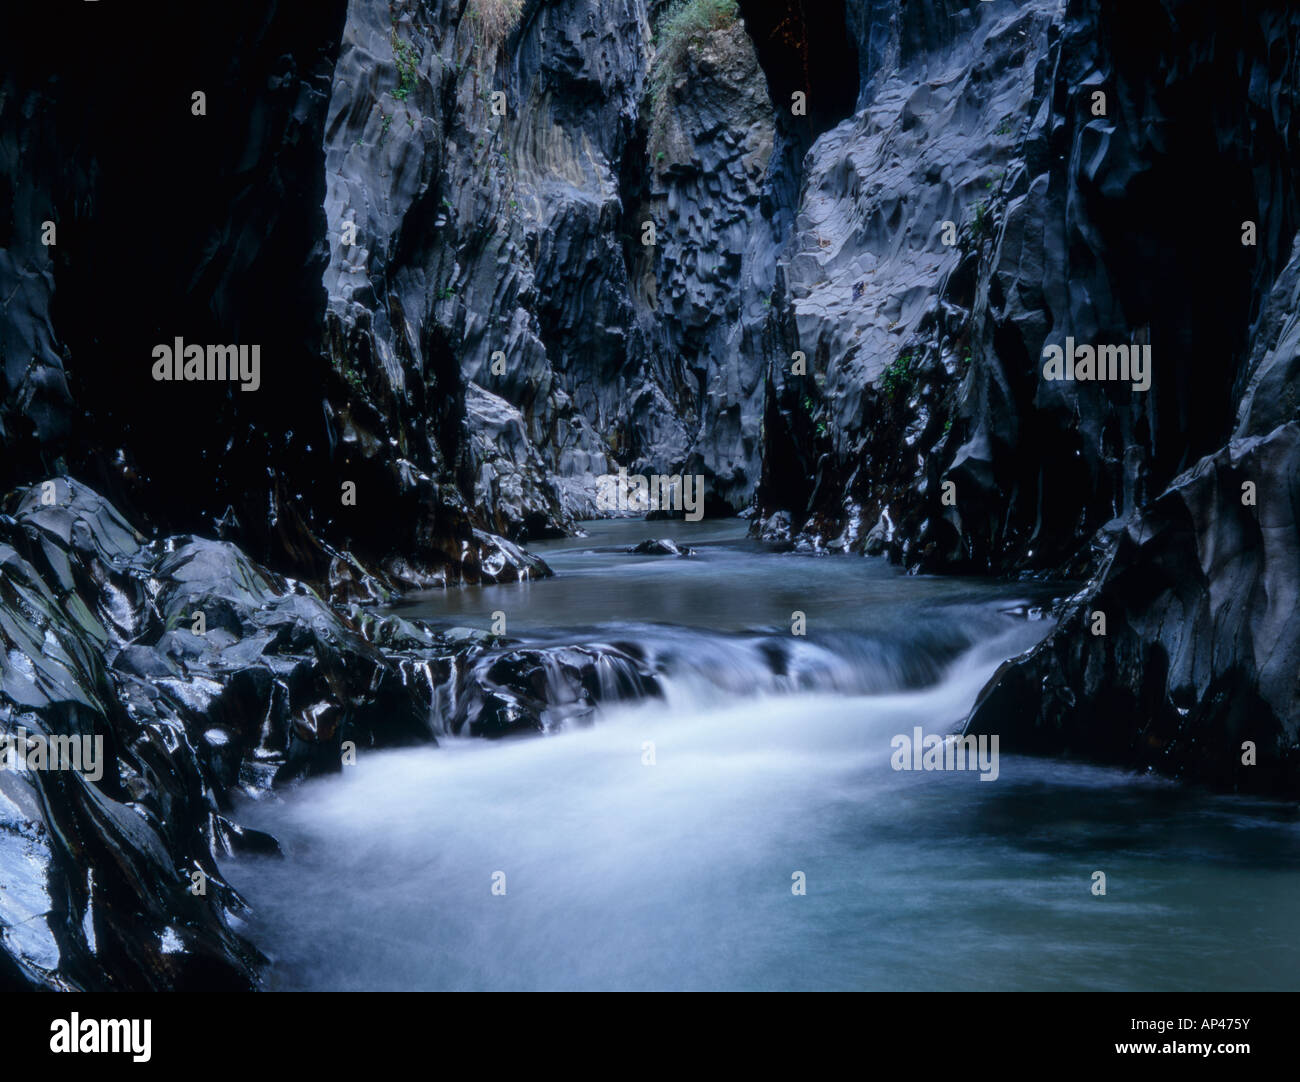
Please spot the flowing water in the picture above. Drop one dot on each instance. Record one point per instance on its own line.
(771, 767)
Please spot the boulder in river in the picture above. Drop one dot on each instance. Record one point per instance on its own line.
(661, 547)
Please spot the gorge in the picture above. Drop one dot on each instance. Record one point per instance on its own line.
(426, 222)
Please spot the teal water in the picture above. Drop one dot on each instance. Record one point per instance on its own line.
(679, 875)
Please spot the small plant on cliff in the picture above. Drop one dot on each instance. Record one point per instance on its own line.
(683, 24)
(897, 377)
(493, 21)
(407, 61)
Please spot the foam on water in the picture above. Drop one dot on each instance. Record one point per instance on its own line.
(678, 875)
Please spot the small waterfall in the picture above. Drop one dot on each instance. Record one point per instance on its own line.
(705, 667)
(571, 681)
(702, 760)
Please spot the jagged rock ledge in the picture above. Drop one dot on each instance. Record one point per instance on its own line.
(101, 640)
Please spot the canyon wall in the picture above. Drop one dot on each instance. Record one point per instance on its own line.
(1118, 174)
(868, 220)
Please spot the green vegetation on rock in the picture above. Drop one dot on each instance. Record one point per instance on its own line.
(407, 61)
(897, 376)
(680, 27)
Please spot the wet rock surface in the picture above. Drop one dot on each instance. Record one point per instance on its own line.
(434, 228)
(338, 468)
(204, 675)
(924, 429)
(925, 357)
(1196, 674)
(661, 547)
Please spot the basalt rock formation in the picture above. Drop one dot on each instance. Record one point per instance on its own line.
(493, 249)
(500, 181)
(432, 220)
(213, 212)
(1111, 173)
(1196, 673)
(204, 675)
(926, 356)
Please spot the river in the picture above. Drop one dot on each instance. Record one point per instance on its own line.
(662, 847)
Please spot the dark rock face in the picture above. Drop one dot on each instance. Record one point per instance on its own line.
(220, 221)
(102, 639)
(433, 227)
(1201, 598)
(512, 231)
(455, 309)
(97, 874)
(704, 297)
(879, 306)
(925, 359)
(110, 152)
(1201, 646)
(493, 234)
